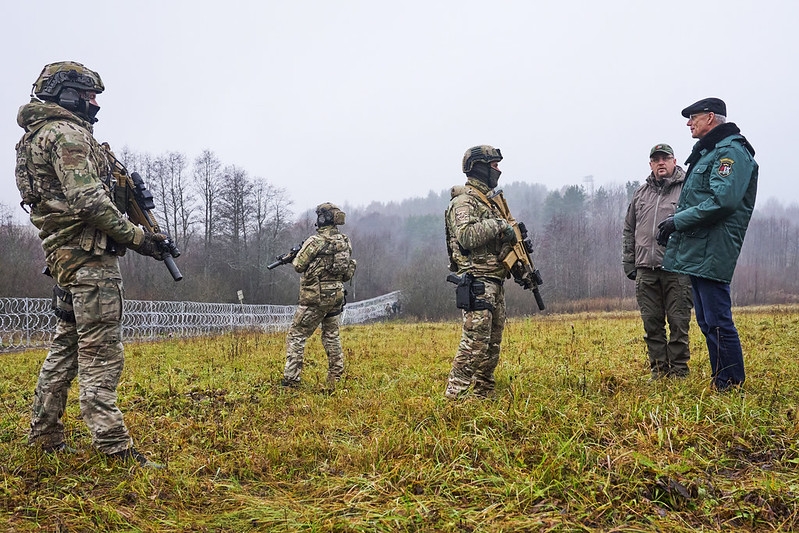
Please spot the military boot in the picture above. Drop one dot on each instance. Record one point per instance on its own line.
(290, 383)
(132, 453)
(59, 449)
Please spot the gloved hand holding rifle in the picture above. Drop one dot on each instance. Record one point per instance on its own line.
(287, 257)
(131, 192)
(517, 250)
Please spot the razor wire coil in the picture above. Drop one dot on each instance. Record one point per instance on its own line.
(27, 323)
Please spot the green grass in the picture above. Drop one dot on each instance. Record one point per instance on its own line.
(577, 439)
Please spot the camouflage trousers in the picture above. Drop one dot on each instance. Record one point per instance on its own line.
(306, 319)
(665, 296)
(91, 349)
(478, 352)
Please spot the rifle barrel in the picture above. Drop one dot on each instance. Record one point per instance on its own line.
(538, 299)
(173, 268)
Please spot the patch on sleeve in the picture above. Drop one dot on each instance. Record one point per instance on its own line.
(462, 214)
(725, 167)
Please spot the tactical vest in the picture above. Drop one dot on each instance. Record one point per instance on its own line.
(31, 191)
(483, 261)
(334, 261)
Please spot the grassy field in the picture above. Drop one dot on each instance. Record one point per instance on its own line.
(577, 439)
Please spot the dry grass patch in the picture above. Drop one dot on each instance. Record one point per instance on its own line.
(576, 439)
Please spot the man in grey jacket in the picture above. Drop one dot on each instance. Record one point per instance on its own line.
(661, 295)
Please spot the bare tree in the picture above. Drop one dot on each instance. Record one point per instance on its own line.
(564, 245)
(235, 206)
(207, 182)
(608, 207)
(176, 197)
(22, 259)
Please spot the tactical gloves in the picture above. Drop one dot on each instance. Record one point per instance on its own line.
(665, 229)
(151, 246)
(507, 234)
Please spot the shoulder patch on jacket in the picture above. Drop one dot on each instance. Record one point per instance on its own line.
(462, 214)
(725, 167)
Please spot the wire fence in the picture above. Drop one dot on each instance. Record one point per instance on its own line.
(30, 323)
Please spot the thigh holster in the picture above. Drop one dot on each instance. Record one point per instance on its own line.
(468, 294)
(62, 304)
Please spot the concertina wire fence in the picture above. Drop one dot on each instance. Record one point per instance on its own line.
(27, 323)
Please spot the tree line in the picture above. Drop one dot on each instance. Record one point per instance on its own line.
(230, 225)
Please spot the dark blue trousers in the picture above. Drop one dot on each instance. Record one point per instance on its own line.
(713, 308)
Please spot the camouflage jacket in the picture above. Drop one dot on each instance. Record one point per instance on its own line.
(60, 160)
(473, 232)
(325, 257)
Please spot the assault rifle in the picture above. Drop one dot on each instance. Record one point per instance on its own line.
(287, 257)
(131, 192)
(518, 260)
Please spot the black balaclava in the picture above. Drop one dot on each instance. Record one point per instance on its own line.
(486, 173)
(73, 100)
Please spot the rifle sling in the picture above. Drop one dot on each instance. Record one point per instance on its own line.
(503, 210)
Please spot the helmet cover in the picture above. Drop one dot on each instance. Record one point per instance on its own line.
(483, 152)
(328, 214)
(66, 74)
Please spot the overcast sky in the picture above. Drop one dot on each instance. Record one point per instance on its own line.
(360, 101)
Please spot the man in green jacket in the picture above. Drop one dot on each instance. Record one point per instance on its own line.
(708, 230)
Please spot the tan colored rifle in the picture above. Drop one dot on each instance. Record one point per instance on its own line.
(517, 259)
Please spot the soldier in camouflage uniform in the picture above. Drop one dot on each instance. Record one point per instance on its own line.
(325, 263)
(64, 177)
(476, 235)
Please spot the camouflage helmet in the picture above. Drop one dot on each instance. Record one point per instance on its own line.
(484, 153)
(66, 74)
(328, 214)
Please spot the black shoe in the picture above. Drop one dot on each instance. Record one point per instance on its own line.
(59, 449)
(131, 453)
(727, 388)
(294, 384)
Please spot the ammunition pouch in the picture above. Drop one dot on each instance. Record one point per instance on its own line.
(24, 171)
(62, 304)
(349, 272)
(468, 292)
(338, 310)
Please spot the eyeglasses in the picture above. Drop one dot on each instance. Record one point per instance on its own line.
(664, 157)
(695, 116)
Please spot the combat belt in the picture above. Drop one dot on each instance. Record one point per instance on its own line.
(468, 292)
